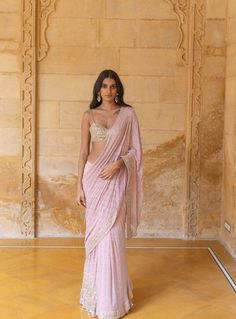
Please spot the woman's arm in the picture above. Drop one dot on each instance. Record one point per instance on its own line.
(84, 148)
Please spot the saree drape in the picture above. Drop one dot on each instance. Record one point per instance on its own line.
(112, 204)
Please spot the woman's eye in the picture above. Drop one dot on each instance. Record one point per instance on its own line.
(112, 86)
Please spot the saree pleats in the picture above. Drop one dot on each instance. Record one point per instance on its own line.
(107, 289)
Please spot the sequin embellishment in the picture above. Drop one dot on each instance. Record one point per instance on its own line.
(98, 132)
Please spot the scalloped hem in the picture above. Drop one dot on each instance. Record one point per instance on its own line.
(109, 315)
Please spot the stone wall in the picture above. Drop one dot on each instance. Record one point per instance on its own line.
(171, 60)
(86, 37)
(10, 118)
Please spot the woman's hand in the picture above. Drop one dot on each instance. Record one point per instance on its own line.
(111, 169)
(80, 199)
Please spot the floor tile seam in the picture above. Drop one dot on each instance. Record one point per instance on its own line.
(222, 268)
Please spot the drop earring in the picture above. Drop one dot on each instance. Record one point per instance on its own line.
(116, 98)
(98, 98)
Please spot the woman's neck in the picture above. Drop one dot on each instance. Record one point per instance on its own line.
(108, 106)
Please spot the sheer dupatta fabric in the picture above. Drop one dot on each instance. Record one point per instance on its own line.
(133, 159)
(110, 204)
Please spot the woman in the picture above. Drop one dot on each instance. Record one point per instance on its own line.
(110, 188)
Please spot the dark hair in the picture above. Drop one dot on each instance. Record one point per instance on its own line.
(97, 86)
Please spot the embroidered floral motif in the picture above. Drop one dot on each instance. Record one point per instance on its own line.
(88, 301)
(116, 314)
(88, 295)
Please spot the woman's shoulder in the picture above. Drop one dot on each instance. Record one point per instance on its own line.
(129, 110)
(86, 113)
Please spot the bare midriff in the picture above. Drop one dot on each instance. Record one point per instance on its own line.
(96, 150)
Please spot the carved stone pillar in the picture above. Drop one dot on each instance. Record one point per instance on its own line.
(196, 29)
(34, 47)
(28, 96)
(191, 17)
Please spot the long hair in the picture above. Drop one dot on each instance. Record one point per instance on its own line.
(97, 86)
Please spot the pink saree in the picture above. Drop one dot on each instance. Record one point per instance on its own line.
(112, 204)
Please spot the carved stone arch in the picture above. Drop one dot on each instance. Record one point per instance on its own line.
(46, 7)
(191, 16)
(180, 9)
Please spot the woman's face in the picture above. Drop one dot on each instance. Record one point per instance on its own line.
(108, 89)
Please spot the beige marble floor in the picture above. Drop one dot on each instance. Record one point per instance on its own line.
(172, 279)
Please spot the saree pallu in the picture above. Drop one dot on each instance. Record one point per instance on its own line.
(112, 204)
